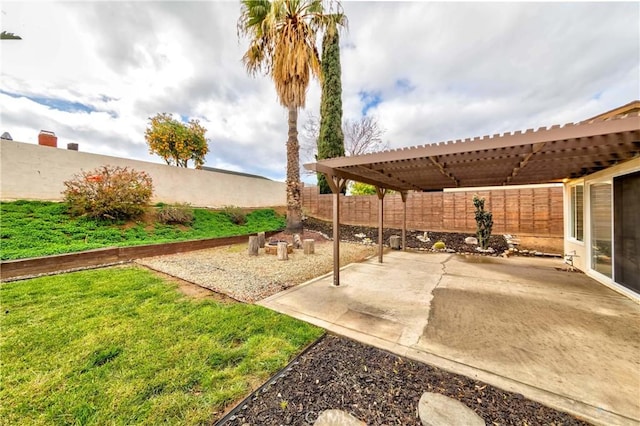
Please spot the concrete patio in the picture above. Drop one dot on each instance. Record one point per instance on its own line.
(521, 324)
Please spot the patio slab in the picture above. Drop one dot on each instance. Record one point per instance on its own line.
(556, 337)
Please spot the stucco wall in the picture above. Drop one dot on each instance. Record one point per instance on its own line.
(34, 172)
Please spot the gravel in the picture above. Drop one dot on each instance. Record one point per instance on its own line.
(231, 271)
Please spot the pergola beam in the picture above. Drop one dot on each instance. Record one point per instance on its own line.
(336, 184)
(569, 131)
(330, 171)
(380, 192)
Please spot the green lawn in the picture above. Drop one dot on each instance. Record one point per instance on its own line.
(122, 346)
(36, 228)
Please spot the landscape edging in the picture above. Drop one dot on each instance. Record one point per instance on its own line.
(11, 269)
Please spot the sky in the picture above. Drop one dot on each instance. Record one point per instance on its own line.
(94, 72)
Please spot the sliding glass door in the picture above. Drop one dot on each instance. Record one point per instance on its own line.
(601, 228)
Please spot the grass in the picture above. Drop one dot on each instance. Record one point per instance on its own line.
(37, 228)
(122, 346)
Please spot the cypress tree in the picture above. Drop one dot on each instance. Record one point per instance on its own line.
(331, 138)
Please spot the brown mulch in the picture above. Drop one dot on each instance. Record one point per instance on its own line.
(378, 388)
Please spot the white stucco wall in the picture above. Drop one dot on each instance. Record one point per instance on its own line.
(582, 260)
(33, 172)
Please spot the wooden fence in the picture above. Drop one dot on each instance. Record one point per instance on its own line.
(532, 211)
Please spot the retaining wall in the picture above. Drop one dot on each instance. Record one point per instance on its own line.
(11, 269)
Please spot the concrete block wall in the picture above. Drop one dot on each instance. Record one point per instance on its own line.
(33, 172)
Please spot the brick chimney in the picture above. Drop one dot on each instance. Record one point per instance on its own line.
(47, 138)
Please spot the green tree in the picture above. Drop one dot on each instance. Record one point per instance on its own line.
(359, 188)
(283, 45)
(176, 142)
(331, 138)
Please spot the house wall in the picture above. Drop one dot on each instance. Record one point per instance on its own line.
(531, 210)
(581, 249)
(33, 172)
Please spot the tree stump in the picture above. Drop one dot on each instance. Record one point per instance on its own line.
(394, 242)
(253, 245)
(308, 246)
(283, 250)
(261, 239)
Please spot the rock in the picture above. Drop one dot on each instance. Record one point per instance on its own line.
(471, 240)
(435, 409)
(424, 238)
(337, 418)
(394, 242)
(309, 246)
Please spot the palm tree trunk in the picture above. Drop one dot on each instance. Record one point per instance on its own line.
(294, 204)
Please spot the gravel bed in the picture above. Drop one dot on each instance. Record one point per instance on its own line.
(231, 271)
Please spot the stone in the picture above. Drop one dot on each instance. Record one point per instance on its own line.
(471, 240)
(337, 418)
(283, 250)
(424, 238)
(394, 242)
(308, 246)
(435, 409)
(253, 245)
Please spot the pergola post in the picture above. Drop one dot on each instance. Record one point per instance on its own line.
(381, 192)
(336, 184)
(403, 194)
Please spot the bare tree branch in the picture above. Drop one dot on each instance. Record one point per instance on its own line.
(361, 136)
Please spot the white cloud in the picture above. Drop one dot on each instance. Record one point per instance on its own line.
(441, 70)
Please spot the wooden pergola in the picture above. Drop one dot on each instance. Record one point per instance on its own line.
(546, 155)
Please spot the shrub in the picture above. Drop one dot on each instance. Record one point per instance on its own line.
(235, 214)
(177, 214)
(439, 245)
(108, 192)
(484, 221)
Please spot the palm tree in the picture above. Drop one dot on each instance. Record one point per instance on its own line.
(283, 44)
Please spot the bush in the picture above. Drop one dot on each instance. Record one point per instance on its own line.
(177, 214)
(439, 245)
(235, 214)
(108, 192)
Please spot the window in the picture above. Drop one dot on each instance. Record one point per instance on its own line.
(576, 226)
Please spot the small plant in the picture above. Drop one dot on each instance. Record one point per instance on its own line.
(235, 214)
(108, 192)
(484, 221)
(284, 404)
(181, 214)
(439, 245)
